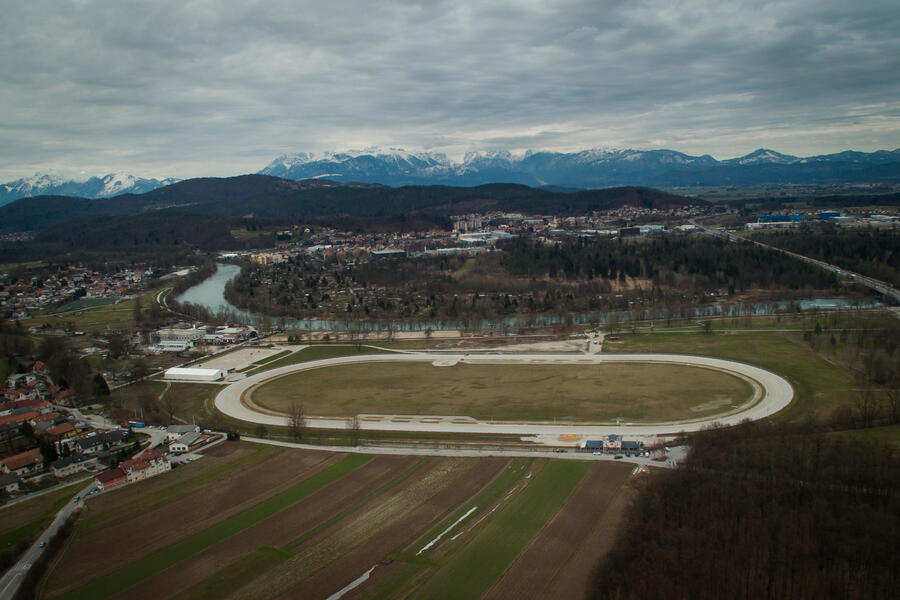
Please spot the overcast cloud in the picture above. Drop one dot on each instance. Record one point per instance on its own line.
(189, 88)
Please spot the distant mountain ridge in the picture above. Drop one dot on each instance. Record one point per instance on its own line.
(322, 200)
(53, 184)
(587, 169)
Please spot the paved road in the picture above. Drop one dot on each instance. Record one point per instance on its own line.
(671, 456)
(11, 581)
(774, 393)
(875, 284)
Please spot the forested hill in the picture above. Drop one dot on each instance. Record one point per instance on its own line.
(270, 197)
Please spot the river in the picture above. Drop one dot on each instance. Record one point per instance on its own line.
(210, 293)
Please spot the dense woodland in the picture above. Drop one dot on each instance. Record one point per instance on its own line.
(527, 277)
(686, 262)
(763, 511)
(871, 252)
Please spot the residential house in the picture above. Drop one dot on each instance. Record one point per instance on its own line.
(111, 478)
(146, 465)
(69, 465)
(24, 463)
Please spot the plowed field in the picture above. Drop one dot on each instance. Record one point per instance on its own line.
(287, 523)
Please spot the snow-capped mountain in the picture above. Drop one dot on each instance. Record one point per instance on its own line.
(587, 168)
(55, 184)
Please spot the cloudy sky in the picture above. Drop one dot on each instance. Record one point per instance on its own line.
(187, 88)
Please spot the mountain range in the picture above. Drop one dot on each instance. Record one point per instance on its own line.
(577, 170)
(54, 184)
(589, 168)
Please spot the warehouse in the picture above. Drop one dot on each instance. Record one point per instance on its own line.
(189, 374)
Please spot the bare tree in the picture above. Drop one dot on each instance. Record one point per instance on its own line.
(354, 428)
(866, 407)
(296, 420)
(168, 403)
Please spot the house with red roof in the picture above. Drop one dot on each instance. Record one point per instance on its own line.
(111, 478)
(24, 463)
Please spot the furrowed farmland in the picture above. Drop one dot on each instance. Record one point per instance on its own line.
(253, 521)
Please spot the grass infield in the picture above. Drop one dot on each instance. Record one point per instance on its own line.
(586, 393)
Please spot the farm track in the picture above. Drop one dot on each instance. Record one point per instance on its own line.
(532, 573)
(154, 529)
(415, 522)
(276, 531)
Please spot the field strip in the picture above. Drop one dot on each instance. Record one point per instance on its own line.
(174, 491)
(397, 535)
(570, 582)
(360, 528)
(274, 532)
(352, 585)
(324, 525)
(472, 571)
(236, 574)
(166, 557)
(547, 554)
(488, 495)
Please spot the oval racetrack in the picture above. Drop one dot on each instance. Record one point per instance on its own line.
(774, 393)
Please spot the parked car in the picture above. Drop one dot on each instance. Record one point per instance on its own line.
(619, 457)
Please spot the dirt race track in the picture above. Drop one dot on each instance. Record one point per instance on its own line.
(772, 394)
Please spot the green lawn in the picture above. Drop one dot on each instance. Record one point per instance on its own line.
(584, 393)
(471, 572)
(164, 558)
(316, 353)
(819, 385)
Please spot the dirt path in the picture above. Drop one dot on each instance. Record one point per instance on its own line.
(398, 534)
(533, 571)
(88, 556)
(276, 531)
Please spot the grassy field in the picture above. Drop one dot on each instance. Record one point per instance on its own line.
(314, 536)
(118, 315)
(593, 393)
(316, 353)
(25, 520)
(819, 385)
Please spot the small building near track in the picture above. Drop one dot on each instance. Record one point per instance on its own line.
(194, 374)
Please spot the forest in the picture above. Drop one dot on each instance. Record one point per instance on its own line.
(763, 511)
(526, 276)
(871, 252)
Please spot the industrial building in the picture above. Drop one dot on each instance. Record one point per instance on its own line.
(192, 374)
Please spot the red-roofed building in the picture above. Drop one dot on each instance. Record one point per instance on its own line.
(65, 397)
(65, 430)
(24, 463)
(146, 465)
(111, 478)
(18, 419)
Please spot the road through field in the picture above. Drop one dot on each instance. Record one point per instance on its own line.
(774, 393)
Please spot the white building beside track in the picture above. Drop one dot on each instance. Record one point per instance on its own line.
(193, 374)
